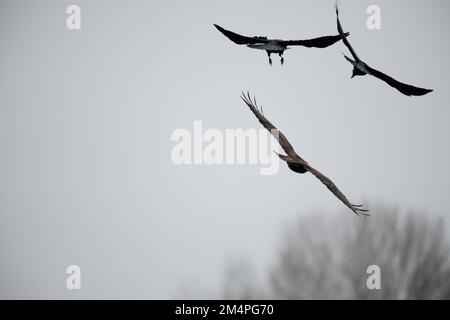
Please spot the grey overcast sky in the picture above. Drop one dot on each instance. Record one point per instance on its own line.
(86, 118)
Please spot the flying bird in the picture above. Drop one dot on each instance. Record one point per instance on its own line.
(278, 46)
(294, 161)
(360, 68)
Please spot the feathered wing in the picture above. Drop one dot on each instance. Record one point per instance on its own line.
(240, 39)
(321, 42)
(277, 134)
(344, 38)
(356, 208)
(404, 88)
(294, 157)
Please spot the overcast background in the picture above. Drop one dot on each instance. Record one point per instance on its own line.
(86, 118)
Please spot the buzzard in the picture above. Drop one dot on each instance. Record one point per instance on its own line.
(294, 161)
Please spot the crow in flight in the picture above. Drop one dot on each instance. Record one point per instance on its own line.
(360, 68)
(294, 161)
(278, 46)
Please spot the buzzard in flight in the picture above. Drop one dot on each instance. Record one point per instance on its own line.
(294, 161)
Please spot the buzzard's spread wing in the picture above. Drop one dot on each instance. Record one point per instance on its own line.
(281, 138)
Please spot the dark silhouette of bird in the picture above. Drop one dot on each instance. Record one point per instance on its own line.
(360, 68)
(278, 46)
(293, 160)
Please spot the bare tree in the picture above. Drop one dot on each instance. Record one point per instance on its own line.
(327, 259)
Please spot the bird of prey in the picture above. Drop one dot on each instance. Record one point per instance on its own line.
(293, 160)
(360, 68)
(278, 46)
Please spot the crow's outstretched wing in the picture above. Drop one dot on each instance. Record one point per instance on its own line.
(406, 89)
(344, 38)
(321, 42)
(239, 39)
(294, 157)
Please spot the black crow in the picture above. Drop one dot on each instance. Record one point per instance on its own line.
(278, 46)
(360, 68)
